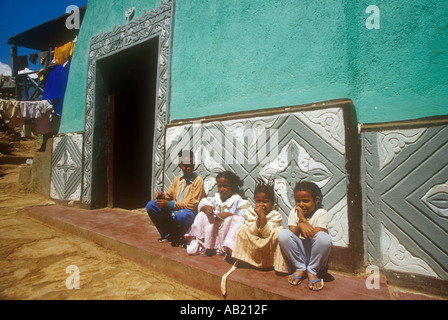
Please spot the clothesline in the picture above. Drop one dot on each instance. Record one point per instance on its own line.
(58, 56)
(17, 112)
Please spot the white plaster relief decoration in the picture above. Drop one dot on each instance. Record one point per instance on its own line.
(255, 131)
(396, 257)
(406, 201)
(437, 199)
(129, 14)
(156, 23)
(273, 147)
(392, 143)
(328, 123)
(291, 157)
(203, 157)
(338, 223)
(211, 166)
(66, 175)
(172, 134)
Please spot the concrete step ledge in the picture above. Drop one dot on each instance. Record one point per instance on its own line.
(131, 235)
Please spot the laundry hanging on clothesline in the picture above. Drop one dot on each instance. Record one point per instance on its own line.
(63, 53)
(55, 86)
(17, 112)
(60, 55)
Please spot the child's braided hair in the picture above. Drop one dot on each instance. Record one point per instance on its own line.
(266, 187)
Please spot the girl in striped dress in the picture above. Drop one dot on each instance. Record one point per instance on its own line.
(257, 240)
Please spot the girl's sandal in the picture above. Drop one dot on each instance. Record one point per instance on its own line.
(294, 282)
(313, 283)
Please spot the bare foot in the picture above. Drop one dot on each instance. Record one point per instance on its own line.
(296, 278)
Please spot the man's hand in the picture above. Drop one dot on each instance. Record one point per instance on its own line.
(159, 195)
(163, 204)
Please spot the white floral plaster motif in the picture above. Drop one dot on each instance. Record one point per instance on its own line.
(392, 143)
(396, 257)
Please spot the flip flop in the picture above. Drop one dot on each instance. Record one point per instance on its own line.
(295, 278)
(163, 240)
(313, 282)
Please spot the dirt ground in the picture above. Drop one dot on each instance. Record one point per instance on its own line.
(34, 257)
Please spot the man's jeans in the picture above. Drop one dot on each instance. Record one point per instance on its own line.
(170, 224)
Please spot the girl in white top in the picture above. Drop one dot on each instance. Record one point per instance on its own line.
(306, 244)
(216, 225)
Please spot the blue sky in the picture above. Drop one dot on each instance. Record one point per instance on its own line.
(20, 15)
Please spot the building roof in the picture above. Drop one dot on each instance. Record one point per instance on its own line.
(49, 34)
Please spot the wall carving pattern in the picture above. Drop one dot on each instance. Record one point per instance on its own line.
(288, 147)
(405, 192)
(66, 169)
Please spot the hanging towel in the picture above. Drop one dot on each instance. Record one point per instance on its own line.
(64, 52)
(55, 86)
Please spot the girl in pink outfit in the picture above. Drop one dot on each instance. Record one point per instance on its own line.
(216, 225)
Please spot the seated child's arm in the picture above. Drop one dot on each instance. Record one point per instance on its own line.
(305, 230)
(239, 208)
(308, 231)
(300, 225)
(208, 209)
(224, 215)
(242, 207)
(296, 230)
(261, 213)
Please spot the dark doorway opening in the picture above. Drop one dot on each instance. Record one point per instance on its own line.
(126, 85)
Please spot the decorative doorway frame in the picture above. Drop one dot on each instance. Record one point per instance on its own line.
(156, 23)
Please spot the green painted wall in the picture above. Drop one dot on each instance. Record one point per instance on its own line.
(401, 70)
(101, 16)
(243, 55)
(234, 55)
